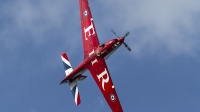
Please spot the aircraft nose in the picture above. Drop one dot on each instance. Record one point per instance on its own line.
(121, 39)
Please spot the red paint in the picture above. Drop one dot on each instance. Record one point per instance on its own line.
(94, 55)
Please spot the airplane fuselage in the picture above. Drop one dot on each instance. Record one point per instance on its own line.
(104, 51)
(107, 49)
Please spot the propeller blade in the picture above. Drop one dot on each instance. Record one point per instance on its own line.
(129, 49)
(115, 33)
(126, 34)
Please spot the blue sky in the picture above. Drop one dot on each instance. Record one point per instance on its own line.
(161, 74)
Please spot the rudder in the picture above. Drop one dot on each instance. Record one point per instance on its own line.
(72, 83)
(75, 92)
(66, 63)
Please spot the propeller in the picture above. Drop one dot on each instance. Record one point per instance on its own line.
(115, 33)
(127, 33)
(129, 49)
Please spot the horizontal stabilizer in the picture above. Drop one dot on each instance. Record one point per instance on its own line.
(81, 77)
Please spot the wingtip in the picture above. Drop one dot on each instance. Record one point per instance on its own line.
(62, 82)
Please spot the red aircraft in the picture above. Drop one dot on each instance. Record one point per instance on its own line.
(94, 60)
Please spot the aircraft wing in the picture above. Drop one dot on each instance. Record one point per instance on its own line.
(101, 75)
(89, 35)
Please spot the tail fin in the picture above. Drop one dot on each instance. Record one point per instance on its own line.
(73, 84)
(74, 88)
(67, 65)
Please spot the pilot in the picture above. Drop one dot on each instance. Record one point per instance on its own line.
(98, 53)
(102, 45)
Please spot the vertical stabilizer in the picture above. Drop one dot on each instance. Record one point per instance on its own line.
(67, 65)
(73, 84)
(75, 92)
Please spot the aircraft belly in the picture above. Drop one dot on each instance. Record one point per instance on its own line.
(108, 55)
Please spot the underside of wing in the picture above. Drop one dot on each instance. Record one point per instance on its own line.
(89, 35)
(101, 75)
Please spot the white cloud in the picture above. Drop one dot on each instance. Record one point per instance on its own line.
(168, 27)
(30, 28)
(32, 21)
(157, 27)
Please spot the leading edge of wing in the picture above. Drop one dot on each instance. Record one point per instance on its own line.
(101, 75)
